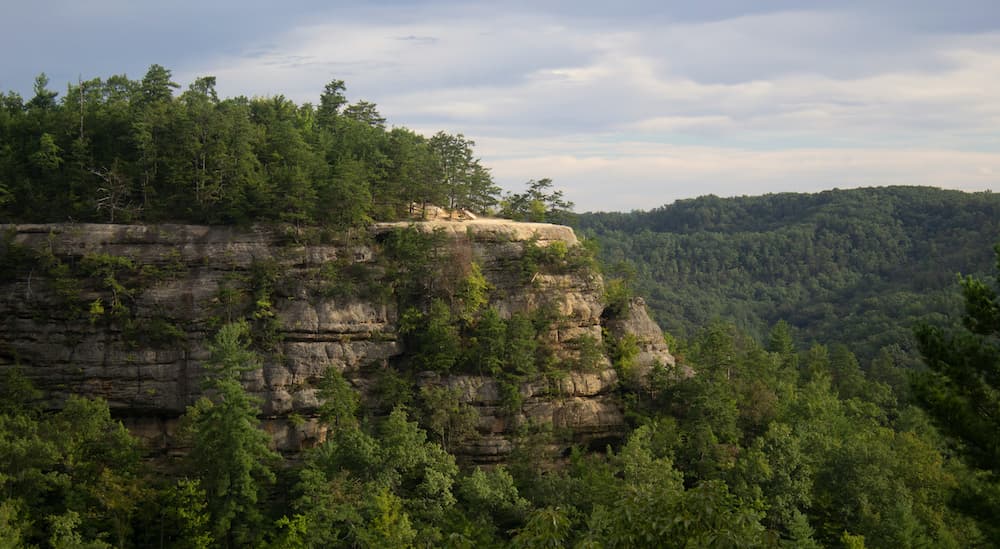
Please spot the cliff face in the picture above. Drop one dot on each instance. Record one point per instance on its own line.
(123, 312)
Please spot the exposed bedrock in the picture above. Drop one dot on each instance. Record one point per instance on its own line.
(141, 345)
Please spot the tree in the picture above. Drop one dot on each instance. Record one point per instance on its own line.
(47, 158)
(521, 345)
(357, 485)
(389, 525)
(413, 175)
(366, 113)
(653, 509)
(340, 401)
(468, 183)
(539, 204)
(780, 342)
(961, 388)
(432, 336)
(848, 378)
(290, 164)
(156, 86)
(103, 461)
(546, 528)
(113, 194)
(65, 535)
(184, 519)
(493, 493)
(774, 471)
(472, 294)
(489, 341)
(447, 416)
(12, 527)
(344, 199)
(330, 102)
(44, 98)
(77, 462)
(230, 455)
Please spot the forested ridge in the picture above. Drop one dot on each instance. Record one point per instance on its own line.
(123, 150)
(781, 438)
(860, 267)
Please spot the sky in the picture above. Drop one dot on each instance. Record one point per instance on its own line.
(624, 105)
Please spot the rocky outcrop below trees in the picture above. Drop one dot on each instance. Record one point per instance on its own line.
(123, 312)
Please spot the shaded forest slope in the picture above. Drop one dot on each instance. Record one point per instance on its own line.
(859, 267)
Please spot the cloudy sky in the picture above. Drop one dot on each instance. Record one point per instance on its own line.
(625, 105)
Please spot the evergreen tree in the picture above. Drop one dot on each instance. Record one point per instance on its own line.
(230, 455)
(961, 388)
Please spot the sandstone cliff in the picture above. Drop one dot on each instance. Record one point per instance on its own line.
(123, 312)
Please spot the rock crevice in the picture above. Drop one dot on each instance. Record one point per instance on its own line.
(184, 280)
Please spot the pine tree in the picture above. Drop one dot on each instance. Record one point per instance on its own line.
(961, 390)
(230, 455)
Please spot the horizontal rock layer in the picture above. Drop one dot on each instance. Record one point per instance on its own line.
(185, 277)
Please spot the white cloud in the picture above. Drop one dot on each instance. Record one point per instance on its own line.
(643, 176)
(662, 110)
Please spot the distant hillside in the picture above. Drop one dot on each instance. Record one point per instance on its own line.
(858, 267)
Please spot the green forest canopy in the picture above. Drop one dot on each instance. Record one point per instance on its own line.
(785, 443)
(122, 150)
(859, 267)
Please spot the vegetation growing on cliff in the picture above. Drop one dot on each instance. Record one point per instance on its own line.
(790, 443)
(766, 447)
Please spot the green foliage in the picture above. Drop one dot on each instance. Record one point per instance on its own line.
(432, 337)
(77, 471)
(230, 455)
(116, 150)
(488, 344)
(466, 183)
(546, 528)
(390, 526)
(186, 509)
(65, 535)
(12, 528)
(539, 204)
(493, 493)
(813, 459)
(961, 388)
(265, 326)
(622, 352)
(445, 415)
(414, 269)
(392, 389)
(17, 393)
(719, 459)
(160, 332)
(521, 346)
(796, 442)
(858, 267)
(340, 401)
(588, 353)
(344, 279)
(472, 294)
(851, 541)
(510, 396)
(358, 488)
(117, 280)
(617, 297)
(556, 257)
(775, 472)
